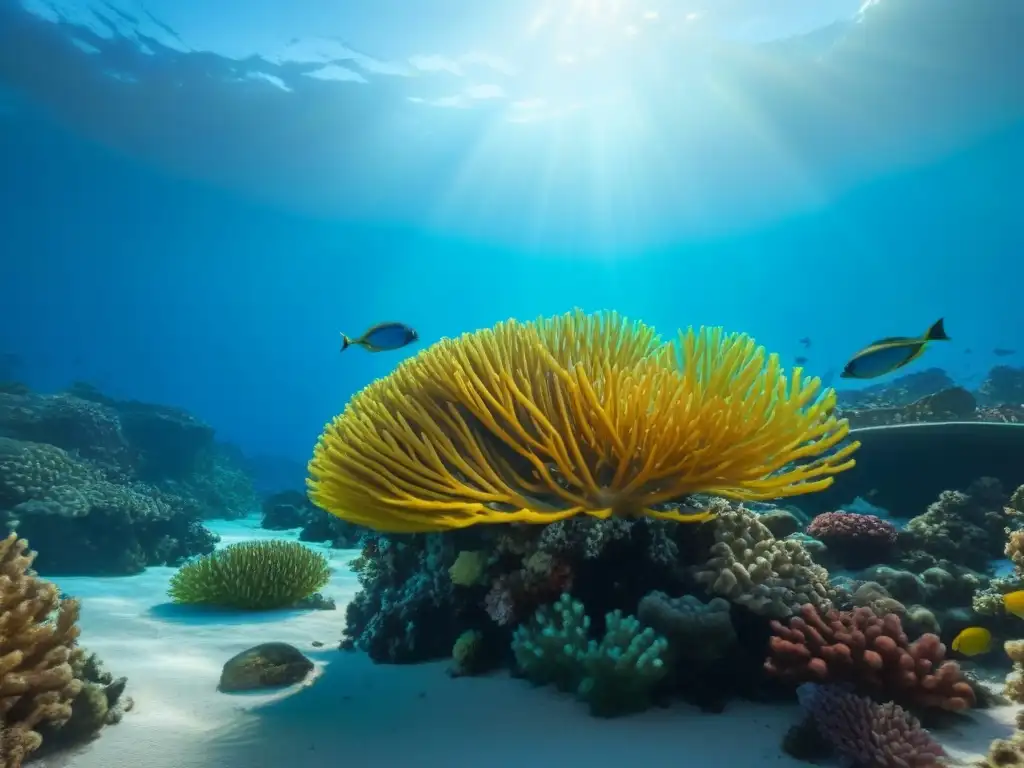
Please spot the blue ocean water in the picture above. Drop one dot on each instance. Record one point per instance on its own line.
(197, 198)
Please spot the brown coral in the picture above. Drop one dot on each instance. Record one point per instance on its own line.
(750, 567)
(871, 653)
(37, 634)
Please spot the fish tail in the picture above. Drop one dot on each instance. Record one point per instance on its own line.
(937, 332)
(346, 342)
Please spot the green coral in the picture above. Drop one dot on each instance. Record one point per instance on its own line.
(614, 675)
(254, 575)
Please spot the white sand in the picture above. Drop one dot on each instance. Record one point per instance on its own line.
(356, 713)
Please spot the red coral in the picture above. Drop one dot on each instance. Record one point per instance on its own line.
(858, 540)
(872, 654)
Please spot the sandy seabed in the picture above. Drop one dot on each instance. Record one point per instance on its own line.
(352, 712)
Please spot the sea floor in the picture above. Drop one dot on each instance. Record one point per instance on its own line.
(353, 712)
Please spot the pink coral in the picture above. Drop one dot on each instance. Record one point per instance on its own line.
(857, 540)
(860, 649)
(866, 733)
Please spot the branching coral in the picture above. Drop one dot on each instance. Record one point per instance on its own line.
(750, 567)
(872, 653)
(38, 631)
(615, 675)
(577, 414)
(257, 575)
(866, 733)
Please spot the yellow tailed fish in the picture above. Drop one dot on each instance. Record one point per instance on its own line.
(886, 355)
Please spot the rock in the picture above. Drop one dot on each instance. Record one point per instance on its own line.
(270, 665)
(288, 509)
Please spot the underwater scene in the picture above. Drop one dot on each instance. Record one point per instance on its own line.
(450, 384)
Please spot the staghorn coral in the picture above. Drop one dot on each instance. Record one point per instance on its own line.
(865, 733)
(577, 414)
(254, 575)
(38, 631)
(871, 653)
(750, 567)
(854, 539)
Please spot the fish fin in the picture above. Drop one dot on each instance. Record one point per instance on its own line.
(346, 342)
(937, 332)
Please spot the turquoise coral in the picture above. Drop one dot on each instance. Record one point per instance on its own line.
(614, 675)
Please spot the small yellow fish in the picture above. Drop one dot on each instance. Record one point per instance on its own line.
(972, 641)
(1013, 602)
(886, 355)
(382, 337)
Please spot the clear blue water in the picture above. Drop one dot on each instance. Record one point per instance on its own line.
(196, 198)
(177, 234)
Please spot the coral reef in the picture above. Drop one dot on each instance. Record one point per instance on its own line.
(103, 486)
(865, 733)
(750, 567)
(855, 540)
(871, 653)
(576, 414)
(932, 396)
(961, 529)
(407, 609)
(257, 575)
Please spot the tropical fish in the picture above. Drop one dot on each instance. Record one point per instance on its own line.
(1000, 352)
(800, 360)
(973, 641)
(886, 355)
(1013, 602)
(806, 341)
(382, 337)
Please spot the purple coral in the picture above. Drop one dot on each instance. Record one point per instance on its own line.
(864, 732)
(855, 539)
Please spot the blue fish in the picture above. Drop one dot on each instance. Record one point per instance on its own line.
(382, 337)
(886, 355)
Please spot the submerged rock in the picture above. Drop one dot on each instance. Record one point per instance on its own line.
(270, 665)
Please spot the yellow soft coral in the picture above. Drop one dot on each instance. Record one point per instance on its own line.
(593, 414)
(37, 636)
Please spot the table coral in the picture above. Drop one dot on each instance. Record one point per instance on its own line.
(871, 653)
(750, 567)
(38, 631)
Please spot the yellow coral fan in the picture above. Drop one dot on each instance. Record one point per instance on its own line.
(593, 414)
